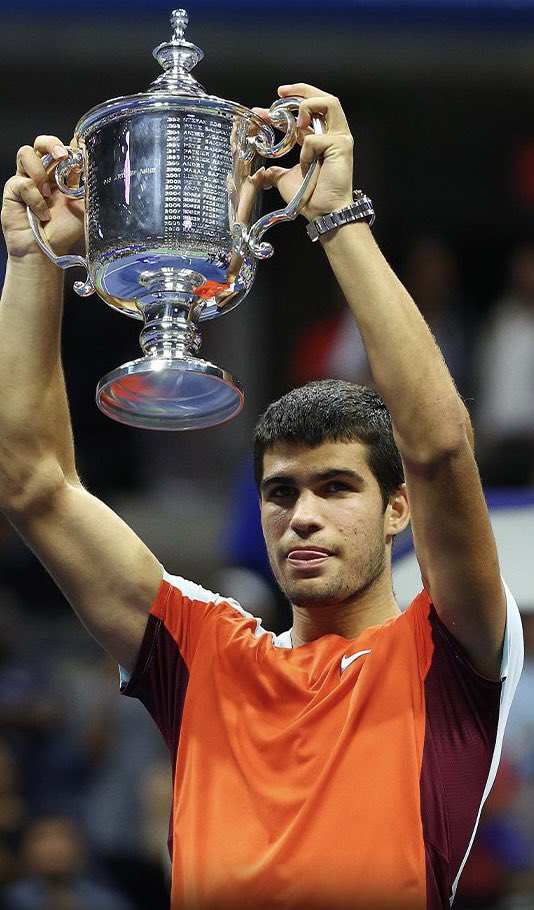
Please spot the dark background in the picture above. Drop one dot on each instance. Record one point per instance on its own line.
(439, 98)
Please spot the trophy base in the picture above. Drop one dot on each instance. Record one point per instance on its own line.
(175, 394)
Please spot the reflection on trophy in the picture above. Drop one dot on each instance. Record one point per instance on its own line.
(173, 230)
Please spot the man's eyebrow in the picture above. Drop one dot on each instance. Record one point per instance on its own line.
(315, 478)
(336, 472)
(277, 478)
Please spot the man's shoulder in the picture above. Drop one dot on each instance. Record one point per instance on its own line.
(416, 615)
(183, 603)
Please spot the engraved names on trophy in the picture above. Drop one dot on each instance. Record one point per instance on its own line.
(199, 163)
(94, 230)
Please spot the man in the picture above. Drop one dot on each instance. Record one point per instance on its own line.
(343, 764)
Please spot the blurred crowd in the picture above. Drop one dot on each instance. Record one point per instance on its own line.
(488, 349)
(84, 780)
(85, 785)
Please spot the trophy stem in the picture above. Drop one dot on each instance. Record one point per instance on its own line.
(170, 307)
(168, 332)
(170, 388)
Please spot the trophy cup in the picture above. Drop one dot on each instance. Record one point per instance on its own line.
(173, 230)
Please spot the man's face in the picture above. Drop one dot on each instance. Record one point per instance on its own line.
(323, 520)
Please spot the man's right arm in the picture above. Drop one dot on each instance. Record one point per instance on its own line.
(105, 571)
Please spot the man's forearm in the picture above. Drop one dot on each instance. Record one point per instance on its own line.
(407, 366)
(34, 411)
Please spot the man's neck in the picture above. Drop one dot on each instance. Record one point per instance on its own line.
(348, 619)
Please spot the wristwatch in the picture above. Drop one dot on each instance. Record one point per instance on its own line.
(360, 210)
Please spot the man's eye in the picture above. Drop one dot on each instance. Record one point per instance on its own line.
(337, 486)
(282, 492)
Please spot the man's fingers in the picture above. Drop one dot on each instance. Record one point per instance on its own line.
(300, 88)
(329, 107)
(272, 175)
(318, 102)
(29, 163)
(259, 179)
(317, 146)
(262, 112)
(50, 145)
(23, 189)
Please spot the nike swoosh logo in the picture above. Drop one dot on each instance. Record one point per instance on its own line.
(346, 661)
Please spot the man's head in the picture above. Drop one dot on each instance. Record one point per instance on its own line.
(331, 491)
(333, 410)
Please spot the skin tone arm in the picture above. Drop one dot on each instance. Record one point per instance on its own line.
(104, 570)
(452, 532)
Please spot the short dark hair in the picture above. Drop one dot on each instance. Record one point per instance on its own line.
(338, 411)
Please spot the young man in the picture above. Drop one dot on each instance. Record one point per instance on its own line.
(344, 763)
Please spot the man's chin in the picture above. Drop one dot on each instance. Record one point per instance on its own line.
(313, 594)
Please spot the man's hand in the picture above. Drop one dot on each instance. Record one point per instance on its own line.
(31, 185)
(333, 187)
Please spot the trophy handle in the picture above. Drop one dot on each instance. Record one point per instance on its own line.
(280, 113)
(63, 169)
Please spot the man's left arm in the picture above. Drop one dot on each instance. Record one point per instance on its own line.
(453, 537)
(452, 532)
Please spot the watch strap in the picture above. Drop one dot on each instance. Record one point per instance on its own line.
(359, 210)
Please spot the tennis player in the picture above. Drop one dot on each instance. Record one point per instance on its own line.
(344, 763)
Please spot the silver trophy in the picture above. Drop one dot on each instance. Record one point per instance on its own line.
(173, 230)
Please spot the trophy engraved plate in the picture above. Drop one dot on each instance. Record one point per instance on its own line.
(171, 179)
(162, 198)
(199, 161)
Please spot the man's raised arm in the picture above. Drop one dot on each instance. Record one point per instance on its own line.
(104, 570)
(452, 532)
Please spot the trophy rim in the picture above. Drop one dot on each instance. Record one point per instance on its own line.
(116, 400)
(125, 105)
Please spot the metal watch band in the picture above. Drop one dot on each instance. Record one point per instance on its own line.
(360, 210)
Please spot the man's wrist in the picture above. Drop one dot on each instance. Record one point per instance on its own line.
(360, 209)
(34, 264)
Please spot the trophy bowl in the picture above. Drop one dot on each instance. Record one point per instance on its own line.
(172, 183)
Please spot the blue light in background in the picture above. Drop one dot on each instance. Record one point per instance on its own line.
(517, 11)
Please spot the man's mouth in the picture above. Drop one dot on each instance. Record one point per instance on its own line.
(308, 557)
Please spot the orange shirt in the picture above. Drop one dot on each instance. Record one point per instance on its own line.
(338, 774)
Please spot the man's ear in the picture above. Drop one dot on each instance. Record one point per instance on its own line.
(397, 516)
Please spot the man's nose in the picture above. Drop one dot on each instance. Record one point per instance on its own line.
(306, 513)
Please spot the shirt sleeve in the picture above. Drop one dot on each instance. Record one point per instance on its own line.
(465, 720)
(180, 614)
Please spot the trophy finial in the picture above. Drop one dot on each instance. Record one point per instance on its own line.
(178, 57)
(179, 22)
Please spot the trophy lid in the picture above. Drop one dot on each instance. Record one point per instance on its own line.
(177, 57)
(174, 89)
